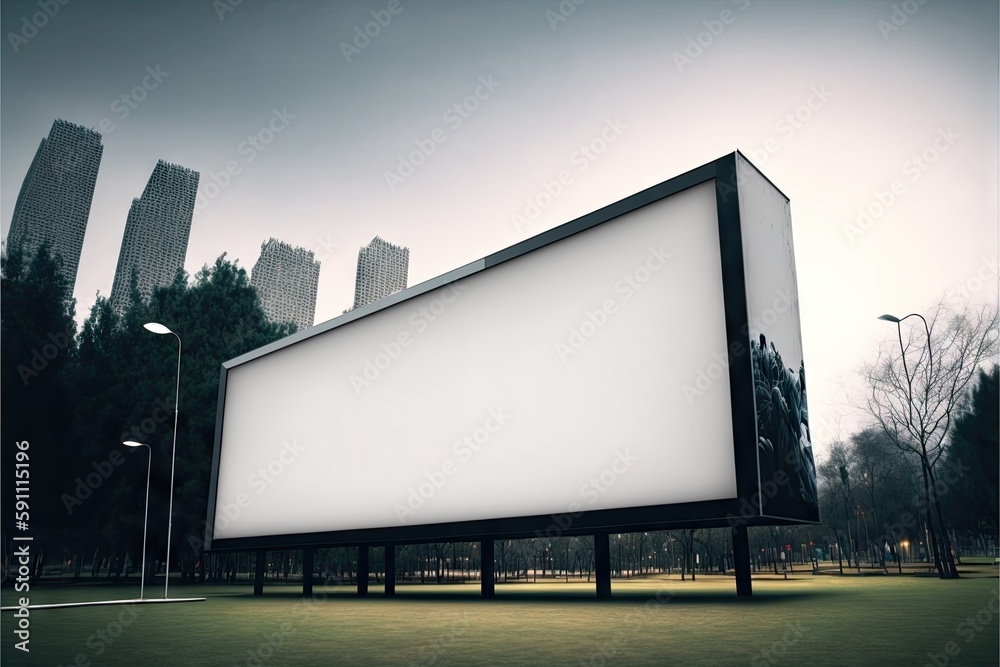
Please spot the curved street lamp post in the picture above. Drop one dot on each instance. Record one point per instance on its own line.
(942, 560)
(157, 328)
(145, 518)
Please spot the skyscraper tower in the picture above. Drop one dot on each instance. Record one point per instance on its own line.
(382, 270)
(54, 202)
(156, 232)
(286, 279)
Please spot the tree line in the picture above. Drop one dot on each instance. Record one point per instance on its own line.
(75, 396)
(920, 482)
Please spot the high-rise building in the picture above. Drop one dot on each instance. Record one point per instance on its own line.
(54, 202)
(286, 279)
(156, 233)
(382, 270)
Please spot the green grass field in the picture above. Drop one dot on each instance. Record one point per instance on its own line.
(806, 620)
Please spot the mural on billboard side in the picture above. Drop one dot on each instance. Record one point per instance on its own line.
(782, 422)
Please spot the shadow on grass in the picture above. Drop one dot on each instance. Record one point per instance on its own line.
(662, 595)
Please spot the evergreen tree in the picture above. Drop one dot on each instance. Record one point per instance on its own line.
(124, 389)
(37, 333)
(972, 458)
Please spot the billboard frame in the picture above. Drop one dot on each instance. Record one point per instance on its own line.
(734, 512)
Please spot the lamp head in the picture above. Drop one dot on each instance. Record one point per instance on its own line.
(133, 443)
(889, 318)
(156, 328)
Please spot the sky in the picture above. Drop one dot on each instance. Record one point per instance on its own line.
(437, 124)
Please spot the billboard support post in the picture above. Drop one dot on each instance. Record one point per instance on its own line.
(602, 565)
(363, 570)
(488, 583)
(307, 572)
(258, 576)
(390, 569)
(741, 560)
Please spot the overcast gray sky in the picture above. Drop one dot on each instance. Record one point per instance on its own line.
(836, 102)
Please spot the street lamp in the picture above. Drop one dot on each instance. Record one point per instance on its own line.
(157, 328)
(145, 518)
(899, 331)
(932, 540)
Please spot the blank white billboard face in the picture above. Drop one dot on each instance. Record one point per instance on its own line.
(550, 383)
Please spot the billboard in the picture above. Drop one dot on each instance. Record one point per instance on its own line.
(565, 381)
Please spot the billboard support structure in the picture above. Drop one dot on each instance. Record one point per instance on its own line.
(258, 575)
(741, 560)
(662, 348)
(362, 570)
(390, 569)
(307, 572)
(602, 565)
(487, 568)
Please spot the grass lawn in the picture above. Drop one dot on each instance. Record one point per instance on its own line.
(806, 620)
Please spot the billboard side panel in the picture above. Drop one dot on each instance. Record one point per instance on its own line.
(744, 419)
(784, 450)
(213, 481)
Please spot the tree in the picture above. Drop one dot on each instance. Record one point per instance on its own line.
(913, 393)
(123, 388)
(38, 346)
(876, 461)
(974, 450)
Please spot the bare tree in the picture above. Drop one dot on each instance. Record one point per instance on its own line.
(914, 392)
(876, 461)
(831, 481)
